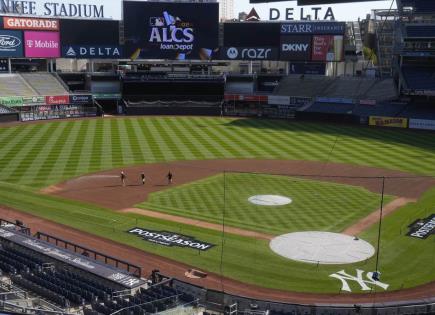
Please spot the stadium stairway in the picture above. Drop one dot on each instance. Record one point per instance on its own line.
(15, 85)
(45, 83)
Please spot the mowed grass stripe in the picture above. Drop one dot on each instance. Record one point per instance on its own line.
(142, 140)
(164, 148)
(106, 146)
(171, 139)
(96, 157)
(47, 158)
(128, 150)
(87, 148)
(74, 154)
(192, 147)
(26, 154)
(137, 149)
(58, 167)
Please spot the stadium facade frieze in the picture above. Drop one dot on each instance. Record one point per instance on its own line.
(78, 9)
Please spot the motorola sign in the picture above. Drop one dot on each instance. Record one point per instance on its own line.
(249, 53)
(295, 48)
(89, 52)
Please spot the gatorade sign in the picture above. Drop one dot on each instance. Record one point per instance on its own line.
(16, 23)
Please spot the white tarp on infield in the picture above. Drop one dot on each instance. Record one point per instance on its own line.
(269, 200)
(322, 247)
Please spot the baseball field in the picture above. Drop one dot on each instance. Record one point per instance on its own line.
(337, 178)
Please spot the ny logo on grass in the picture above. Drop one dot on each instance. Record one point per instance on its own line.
(366, 285)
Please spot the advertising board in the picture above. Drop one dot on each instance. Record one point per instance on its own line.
(90, 52)
(424, 124)
(315, 28)
(318, 68)
(33, 100)
(295, 48)
(75, 9)
(11, 101)
(249, 53)
(328, 48)
(80, 99)
(18, 23)
(168, 30)
(57, 100)
(260, 34)
(42, 44)
(89, 33)
(11, 43)
(397, 122)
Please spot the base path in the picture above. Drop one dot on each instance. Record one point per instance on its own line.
(202, 224)
(148, 262)
(373, 217)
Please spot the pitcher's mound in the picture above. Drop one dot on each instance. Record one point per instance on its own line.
(322, 247)
(269, 200)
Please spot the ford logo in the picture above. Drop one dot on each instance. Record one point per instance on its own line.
(7, 41)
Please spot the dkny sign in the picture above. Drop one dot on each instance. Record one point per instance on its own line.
(170, 239)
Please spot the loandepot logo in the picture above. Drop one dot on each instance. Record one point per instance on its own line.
(232, 53)
(171, 33)
(71, 52)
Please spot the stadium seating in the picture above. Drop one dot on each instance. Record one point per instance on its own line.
(45, 83)
(419, 6)
(419, 77)
(15, 85)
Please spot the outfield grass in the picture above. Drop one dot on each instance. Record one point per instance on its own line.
(41, 154)
(316, 205)
(35, 155)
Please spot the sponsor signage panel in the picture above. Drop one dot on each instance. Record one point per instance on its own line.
(424, 124)
(380, 121)
(315, 28)
(337, 100)
(57, 100)
(42, 44)
(241, 34)
(422, 228)
(89, 33)
(11, 43)
(34, 100)
(17, 23)
(11, 101)
(170, 239)
(318, 68)
(249, 53)
(80, 99)
(295, 48)
(77, 9)
(328, 48)
(90, 52)
(168, 30)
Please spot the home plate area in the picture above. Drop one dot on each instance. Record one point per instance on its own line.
(322, 248)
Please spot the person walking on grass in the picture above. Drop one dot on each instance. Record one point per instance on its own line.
(123, 178)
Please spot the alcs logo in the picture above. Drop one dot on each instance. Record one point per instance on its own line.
(170, 30)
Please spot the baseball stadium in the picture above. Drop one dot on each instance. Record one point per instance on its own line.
(156, 158)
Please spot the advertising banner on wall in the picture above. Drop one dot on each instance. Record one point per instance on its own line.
(18, 23)
(80, 99)
(328, 48)
(90, 52)
(34, 100)
(319, 28)
(89, 33)
(397, 122)
(424, 124)
(11, 101)
(42, 44)
(249, 53)
(167, 30)
(318, 68)
(57, 100)
(11, 44)
(77, 9)
(295, 48)
(261, 34)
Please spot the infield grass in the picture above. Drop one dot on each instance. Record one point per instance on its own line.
(316, 205)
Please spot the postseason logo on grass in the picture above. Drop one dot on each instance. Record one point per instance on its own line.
(422, 228)
(170, 239)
